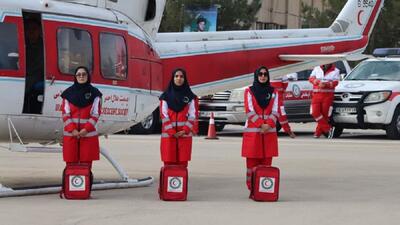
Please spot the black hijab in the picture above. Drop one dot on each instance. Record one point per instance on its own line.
(262, 92)
(178, 97)
(81, 95)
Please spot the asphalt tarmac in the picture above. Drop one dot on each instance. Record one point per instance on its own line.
(351, 180)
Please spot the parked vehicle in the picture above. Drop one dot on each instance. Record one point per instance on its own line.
(369, 97)
(227, 106)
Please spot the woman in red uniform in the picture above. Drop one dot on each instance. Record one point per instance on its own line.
(260, 140)
(324, 79)
(280, 87)
(80, 112)
(179, 112)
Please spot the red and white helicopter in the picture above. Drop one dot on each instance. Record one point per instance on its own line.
(131, 63)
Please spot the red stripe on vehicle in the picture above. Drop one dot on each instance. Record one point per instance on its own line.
(394, 95)
(372, 18)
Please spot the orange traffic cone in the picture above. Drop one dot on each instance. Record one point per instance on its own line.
(211, 128)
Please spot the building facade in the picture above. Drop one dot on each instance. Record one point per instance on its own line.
(283, 14)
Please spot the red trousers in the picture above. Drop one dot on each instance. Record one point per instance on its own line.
(89, 162)
(182, 163)
(253, 162)
(283, 120)
(321, 109)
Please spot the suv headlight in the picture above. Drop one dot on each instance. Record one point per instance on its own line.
(376, 97)
(237, 96)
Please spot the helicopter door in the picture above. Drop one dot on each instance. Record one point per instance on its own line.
(34, 79)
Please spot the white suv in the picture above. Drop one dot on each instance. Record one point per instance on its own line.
(369, 97)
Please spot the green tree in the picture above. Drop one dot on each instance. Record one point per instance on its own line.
(237, 14)
(313, 17)
(386, 32)
(232, 14)
(387, 29)
(173, 16)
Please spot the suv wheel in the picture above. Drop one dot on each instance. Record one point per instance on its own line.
(393, 129)
(219, 127)
(149, 125)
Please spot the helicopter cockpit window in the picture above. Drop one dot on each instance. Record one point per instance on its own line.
(9, 55)
(151, 10)
(113, 56)
(74, 49)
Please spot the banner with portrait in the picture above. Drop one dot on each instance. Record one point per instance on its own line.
(200, 19)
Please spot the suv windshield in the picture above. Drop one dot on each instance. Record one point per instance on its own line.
(376, 70)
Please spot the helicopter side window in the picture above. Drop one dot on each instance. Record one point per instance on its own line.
(74, 49)
(113, 56)
(9, 55)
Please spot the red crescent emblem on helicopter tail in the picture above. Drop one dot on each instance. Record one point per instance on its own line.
(359, 17)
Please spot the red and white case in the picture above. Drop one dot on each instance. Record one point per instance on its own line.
(265, 184)
(173, 183)
(77, 181)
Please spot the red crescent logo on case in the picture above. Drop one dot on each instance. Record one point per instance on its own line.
(359, 17)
